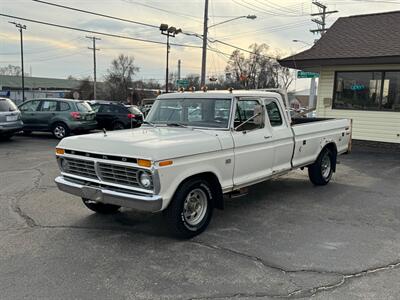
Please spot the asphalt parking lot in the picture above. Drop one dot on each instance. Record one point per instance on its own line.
(286, 238)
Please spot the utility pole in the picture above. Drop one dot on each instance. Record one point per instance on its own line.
(321, 23)
(93, 38)
(179, 69)
(20, 28)
(204, 54)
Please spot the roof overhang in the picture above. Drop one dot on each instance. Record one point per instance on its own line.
(301, 64)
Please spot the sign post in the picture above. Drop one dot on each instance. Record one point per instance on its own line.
(313, 85)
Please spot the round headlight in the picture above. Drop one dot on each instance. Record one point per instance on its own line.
(64, 165)
(145, 180)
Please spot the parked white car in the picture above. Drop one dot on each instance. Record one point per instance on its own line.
(193, 149)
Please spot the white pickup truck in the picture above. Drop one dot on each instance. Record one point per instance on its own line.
(193, 148)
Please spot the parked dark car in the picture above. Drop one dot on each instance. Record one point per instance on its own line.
(10, 118)
(59, 116)
(115, 116)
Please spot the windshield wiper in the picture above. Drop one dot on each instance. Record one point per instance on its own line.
(176, 125)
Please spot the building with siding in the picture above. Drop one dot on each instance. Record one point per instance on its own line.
(358, 60)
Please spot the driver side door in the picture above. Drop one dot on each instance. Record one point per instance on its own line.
(253, 150)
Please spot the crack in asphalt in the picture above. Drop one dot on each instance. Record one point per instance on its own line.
(299, 293)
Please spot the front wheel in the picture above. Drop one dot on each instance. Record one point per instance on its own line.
(320, 172)
(190, 211)
(100, 208)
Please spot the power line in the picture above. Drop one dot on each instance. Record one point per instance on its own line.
(321, 23)
(98, 32)
(262, 10)
(96, 14)
(196, 19)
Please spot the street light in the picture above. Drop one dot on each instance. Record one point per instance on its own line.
(205, 32)
(251, 17)
(169, 31)
(20, 28)
(303, 42)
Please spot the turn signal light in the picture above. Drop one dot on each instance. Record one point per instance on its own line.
(60, 151)
(165, 163)
(144, 163)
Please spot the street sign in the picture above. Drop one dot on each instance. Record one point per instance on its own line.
(302, 74)
(182, 83)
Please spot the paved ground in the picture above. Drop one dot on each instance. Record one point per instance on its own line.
(285, 239)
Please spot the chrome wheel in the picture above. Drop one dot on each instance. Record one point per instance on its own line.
(59, 131)
(195, 206)
(326, 166)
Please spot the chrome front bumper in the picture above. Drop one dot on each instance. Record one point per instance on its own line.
(150, 203)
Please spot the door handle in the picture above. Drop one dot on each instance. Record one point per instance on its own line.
(267, 137)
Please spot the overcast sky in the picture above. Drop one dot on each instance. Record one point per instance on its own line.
(55, 52)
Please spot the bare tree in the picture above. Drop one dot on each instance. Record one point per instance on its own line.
(258, 70)
(119, 77)
(286, 77)
(12, 70)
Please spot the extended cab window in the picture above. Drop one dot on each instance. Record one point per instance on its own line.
(274, 114)
(246, 109)
(30, 106)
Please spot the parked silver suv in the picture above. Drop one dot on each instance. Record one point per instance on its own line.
(10, 118)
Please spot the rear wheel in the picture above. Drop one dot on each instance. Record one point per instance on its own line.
(99, 207)
(190, 211)
(320, 172)
(118, 126)
(6, 137)
(60, 130)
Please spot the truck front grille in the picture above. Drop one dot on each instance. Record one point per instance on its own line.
(111, 173)
(79, 167)
(119, 174)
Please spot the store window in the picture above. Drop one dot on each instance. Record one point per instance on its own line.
(371, 90)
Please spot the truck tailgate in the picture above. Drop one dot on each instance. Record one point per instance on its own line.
(311, 137)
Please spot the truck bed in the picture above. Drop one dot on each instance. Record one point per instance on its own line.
(312, 134)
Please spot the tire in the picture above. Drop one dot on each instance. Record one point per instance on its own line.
(6, 137)
(60, 130)
(118, 126)
(191, 208)
(320, 172)
(101, 208)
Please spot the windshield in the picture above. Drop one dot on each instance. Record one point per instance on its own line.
(7, 105)
(84, 107)
(134, 110)
(212, 113)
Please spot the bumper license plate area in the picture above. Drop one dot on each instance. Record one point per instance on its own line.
(92, 193)
(11, 118)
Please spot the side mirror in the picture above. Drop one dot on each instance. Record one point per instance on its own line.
(259, 115)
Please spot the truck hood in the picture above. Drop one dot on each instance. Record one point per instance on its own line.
(146, 142)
